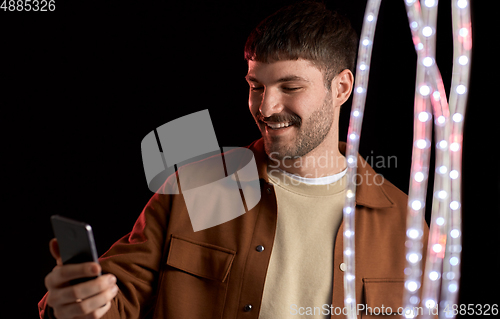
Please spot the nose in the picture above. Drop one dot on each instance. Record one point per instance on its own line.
(271, 103)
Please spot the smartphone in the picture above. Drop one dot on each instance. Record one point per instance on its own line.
(76, 242)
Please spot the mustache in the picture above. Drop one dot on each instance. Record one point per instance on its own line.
(295, 119)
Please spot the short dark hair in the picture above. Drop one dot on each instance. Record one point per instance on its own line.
(306, 30)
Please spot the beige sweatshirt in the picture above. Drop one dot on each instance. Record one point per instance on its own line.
(300, 272)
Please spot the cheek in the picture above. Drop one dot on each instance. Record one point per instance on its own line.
(254, 103)
(303, 104)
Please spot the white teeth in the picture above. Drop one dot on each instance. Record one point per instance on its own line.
(278, 125)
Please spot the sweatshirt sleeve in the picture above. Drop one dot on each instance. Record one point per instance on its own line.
(136, 261)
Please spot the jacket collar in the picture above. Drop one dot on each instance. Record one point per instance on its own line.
(369, 190)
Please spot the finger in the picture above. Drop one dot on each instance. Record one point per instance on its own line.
(89, 305)
(54, 251)
(61, 275)
(99, 312)
(83, 290)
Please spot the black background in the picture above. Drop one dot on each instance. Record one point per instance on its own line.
(81, 86)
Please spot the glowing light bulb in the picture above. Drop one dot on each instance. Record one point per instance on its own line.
(440, 221)
(348, 233)
(427, 61)
(454, 233)
(352, 136)
(454, 174)
(355, 113)
(442, 169)
(362, 66)
(419, 176)
(442, 144)
(461, 89)
(421, 144)
(442, 194)
(413, 233)
(416, 205)
(462, 4)
(423, 116)
(452, 287)
(413, 258)
(425, 90)
(359, 90)
(427, 31)
(349, 194)
(347, 252)
(463, 60)
(457, 117)
(441, 119)
(409, 313)
(463, 32)
(436, 95)
(454, 205)
(348, 210)
(365, 42)
(411, 286)
(437, 248)
(454, 147)
(454, 261)
(430, 303)
(429, 3)
(433, 275)
(370, 17)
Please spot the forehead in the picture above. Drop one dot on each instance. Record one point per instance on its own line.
(273, 71)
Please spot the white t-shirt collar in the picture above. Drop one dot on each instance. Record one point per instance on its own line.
(325, 180)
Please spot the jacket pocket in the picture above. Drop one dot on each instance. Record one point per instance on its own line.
(383, 297)
(200, 259)
(196, 278)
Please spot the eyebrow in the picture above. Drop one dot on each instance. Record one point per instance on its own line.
(287, 78)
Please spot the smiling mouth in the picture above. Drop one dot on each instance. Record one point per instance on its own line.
(278, 125)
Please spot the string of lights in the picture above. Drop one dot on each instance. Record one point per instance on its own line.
(462, 46)
(444, 242)
(429, 89)
(354, 134)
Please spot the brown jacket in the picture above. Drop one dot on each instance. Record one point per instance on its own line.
(165, 270)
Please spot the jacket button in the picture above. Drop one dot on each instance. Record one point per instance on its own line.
(343, 267)
(247, 308)
(259, 248)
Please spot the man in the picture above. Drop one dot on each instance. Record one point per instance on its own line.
(283, 258)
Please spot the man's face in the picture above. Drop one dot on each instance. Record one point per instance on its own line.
(290, 105)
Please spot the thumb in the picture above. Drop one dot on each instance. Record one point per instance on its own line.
(54, 250)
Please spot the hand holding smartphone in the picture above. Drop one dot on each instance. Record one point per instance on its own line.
(74, 290)
(76, 242)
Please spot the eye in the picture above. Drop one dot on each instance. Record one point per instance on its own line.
(256, 88)
(291, 89)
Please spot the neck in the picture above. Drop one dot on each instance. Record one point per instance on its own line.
(324, 160)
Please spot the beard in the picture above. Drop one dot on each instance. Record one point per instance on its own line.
(309, 133)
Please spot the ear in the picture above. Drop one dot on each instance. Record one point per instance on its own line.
(342, 86)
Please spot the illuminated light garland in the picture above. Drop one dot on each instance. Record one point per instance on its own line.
(462, 46)
(423, 25)
(358, 104)
(430, 99)
(446, 217)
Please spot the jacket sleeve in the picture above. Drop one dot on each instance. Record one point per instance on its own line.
(136, 261)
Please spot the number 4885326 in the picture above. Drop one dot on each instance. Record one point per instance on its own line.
(28, 5)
